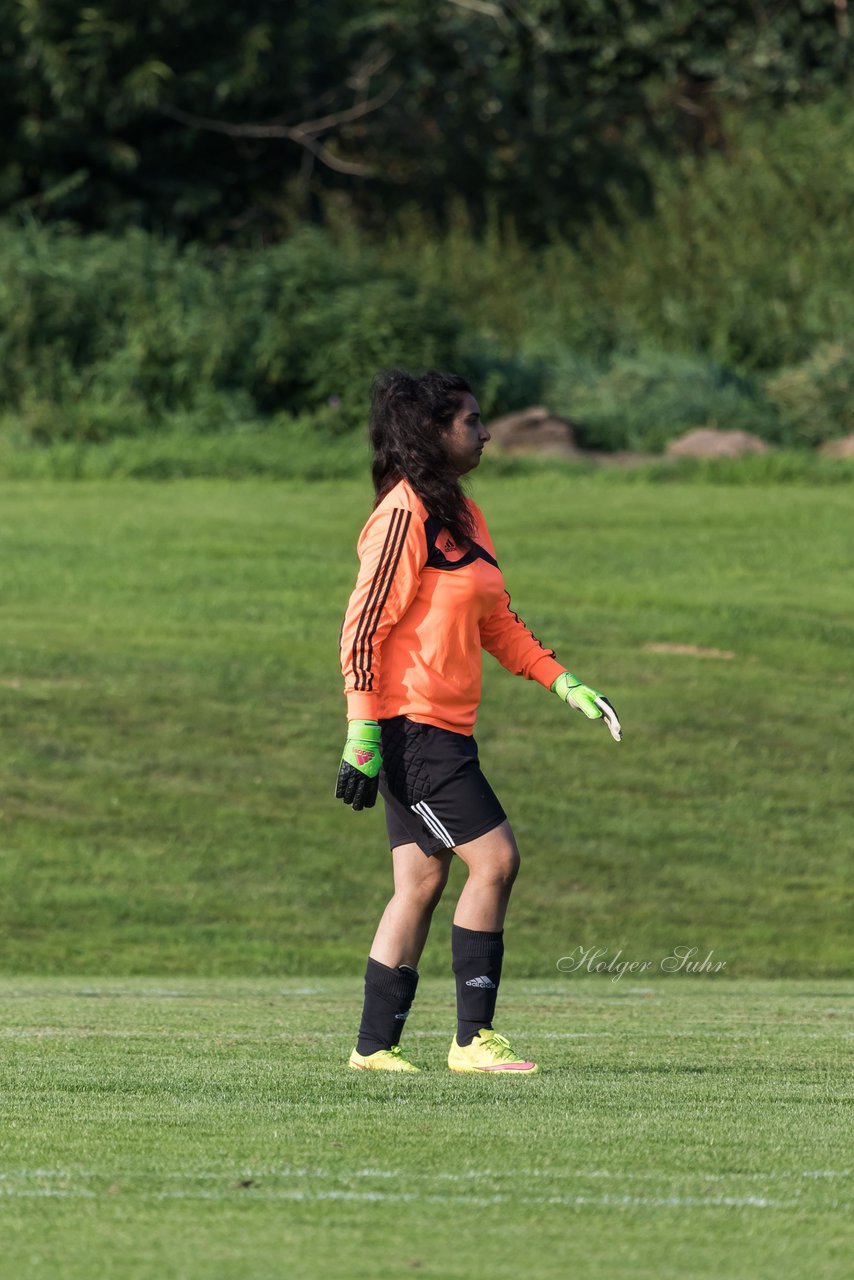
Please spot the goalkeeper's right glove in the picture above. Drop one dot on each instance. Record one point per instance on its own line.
(361, 762)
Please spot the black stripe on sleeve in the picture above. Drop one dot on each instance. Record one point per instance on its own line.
(389, 580)
(377, 595)
(550, 653)
(370, 601)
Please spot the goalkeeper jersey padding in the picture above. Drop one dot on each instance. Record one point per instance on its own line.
(420, 612)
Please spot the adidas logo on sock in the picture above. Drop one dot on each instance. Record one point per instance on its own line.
(480, 982)
(403, 1015)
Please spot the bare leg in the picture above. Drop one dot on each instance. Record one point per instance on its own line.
(418, 885)
(493, 864)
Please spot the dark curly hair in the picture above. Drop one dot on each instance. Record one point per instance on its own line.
(408, 417)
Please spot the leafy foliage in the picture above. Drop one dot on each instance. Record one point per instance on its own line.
(642, 401)
(737, 278)
(815, 400)
(745, 257)
(223, 122)
(104, 336)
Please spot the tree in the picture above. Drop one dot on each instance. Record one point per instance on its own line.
(218, 121)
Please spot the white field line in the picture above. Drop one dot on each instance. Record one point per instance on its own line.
(543, 1035)
(11, 1188)
(47, 1193)
(585, 994)
(275, 1036)
(605, 1201)
(307, 1171)
(285, 1172)
(253, 1037)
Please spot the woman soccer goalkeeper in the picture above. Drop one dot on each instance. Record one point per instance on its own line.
(428, 597)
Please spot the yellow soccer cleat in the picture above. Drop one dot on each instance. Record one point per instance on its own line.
(488, 1051)
(393, 1059)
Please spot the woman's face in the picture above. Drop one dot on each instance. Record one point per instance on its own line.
(466, 436)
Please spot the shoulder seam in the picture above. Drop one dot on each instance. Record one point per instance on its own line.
(405, 498)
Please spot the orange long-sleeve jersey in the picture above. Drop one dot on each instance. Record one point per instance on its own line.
(419, 615)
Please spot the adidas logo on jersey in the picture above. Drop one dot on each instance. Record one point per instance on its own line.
(480, 982)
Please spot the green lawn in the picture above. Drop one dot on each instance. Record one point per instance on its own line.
(684, 1129)
(171, 721)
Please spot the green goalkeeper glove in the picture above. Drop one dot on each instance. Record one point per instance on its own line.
(586, 700)
(360, 765)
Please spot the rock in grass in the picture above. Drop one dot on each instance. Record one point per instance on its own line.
(709, 442)
(536, 430)
(841, 448)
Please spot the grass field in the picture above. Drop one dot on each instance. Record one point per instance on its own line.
(686, 1129)
(171, 721)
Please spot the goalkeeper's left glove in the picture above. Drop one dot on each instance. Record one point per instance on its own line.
(361, 762)
(586, 700)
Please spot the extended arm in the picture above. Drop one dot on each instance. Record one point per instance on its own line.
(505, 636)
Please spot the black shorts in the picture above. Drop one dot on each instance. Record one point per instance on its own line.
(435, 794)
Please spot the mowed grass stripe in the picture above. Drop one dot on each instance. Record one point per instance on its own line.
(230, 1139)
(172, 718)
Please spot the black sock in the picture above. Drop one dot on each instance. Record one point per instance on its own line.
(476, 958)
(388, 996)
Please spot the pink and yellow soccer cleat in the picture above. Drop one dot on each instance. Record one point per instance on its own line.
(489, 1051)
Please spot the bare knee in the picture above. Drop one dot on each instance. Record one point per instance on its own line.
(500, 871)
(511, 870)
(492, 859)
(427, 885)
(430, 890)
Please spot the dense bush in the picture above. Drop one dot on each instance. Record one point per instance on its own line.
(640, 402)
(729, 305)
(102, 337)
(746, 256)
(815, 400)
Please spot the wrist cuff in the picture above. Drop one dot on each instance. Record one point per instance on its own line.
(564, 683)
(363, 706)
(364, 730)
(546, 670)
